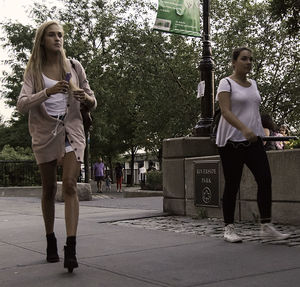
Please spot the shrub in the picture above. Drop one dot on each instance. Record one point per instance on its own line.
(293, 144)
(154, 180)
(17, 153)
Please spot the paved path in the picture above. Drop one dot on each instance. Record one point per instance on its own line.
(127, 242)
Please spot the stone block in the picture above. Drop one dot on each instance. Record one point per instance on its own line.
(249, 211)
(174, 206)
(173, 178)
(286, 212)
(282, 212)
(84, 192)
(285, 167)
(188, 147)
(179, 157)
(285, 170)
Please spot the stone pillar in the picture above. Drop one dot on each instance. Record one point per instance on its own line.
(179, 158)
(175, 153)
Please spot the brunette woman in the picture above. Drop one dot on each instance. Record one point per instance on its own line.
(238, 140)
(52, 94)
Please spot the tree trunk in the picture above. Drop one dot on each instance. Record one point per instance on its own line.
(160, 154)
(132, 166)
(111, 171)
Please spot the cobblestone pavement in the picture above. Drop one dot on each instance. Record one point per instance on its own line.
(212, 227)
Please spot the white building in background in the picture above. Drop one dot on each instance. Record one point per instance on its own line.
(141, 165)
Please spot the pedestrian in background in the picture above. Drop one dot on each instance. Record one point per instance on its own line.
(53, 102)
(99, 172)
(239, 143)
(108, 181)
(151, 166)
(283, 131)
(142, 175)
(119, 176)
(270, 131)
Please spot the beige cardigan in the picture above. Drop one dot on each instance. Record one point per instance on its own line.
(46, 144)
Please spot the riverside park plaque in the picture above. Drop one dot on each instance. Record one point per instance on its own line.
(207, 183)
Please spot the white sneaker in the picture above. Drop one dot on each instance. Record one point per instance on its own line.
(230, 235)
(268, 230)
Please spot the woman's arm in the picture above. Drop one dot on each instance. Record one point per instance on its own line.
(267, 133)
(27, 98)
(225, 106)
(84, 94)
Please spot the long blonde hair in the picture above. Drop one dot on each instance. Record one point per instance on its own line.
(38, 58)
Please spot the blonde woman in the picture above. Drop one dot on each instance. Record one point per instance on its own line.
(52, 93)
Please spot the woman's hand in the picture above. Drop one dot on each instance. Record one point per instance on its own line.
(60, 87)
(249, 135)
(83, 98)
(80, 95)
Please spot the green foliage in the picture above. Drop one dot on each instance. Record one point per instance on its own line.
(288, 11)
(16, 133)
(154, 180)
(145, 81)
(276, 67)
(292, 144)
(18, 153)
(18, 41)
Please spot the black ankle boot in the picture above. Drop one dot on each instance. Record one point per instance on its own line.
(70, 261)
(52, 255)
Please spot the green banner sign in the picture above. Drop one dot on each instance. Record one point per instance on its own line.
(178, 16)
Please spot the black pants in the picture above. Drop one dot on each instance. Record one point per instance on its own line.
(233, 156)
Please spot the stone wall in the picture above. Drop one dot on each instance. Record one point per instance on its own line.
(179, 157)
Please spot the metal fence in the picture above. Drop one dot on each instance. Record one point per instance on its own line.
(19, 173)
(22, 173)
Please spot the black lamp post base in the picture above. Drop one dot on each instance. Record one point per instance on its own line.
(202, 128)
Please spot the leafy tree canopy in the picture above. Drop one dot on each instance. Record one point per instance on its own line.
(276, 67)
(287, 11)
(145, 81)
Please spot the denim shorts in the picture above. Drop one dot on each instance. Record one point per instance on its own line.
(68, 147)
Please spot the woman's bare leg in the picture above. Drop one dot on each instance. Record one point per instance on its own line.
(71, 169)
(48, 175)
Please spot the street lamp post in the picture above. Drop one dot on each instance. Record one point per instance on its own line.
(202, 128)
(86, 158)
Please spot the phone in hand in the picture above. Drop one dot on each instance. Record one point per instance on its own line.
(68, 77)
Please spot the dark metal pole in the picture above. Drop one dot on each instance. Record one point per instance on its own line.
(202, 129)
(86, 159)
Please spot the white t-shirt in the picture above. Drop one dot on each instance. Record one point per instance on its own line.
(57, 103)
(245, 103)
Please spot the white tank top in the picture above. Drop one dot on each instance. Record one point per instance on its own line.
(57, 103)
(245, 102)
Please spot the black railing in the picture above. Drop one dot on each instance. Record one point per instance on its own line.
(23, 173)
(19, 173)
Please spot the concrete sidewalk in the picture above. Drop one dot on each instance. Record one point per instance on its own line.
(113, 255)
